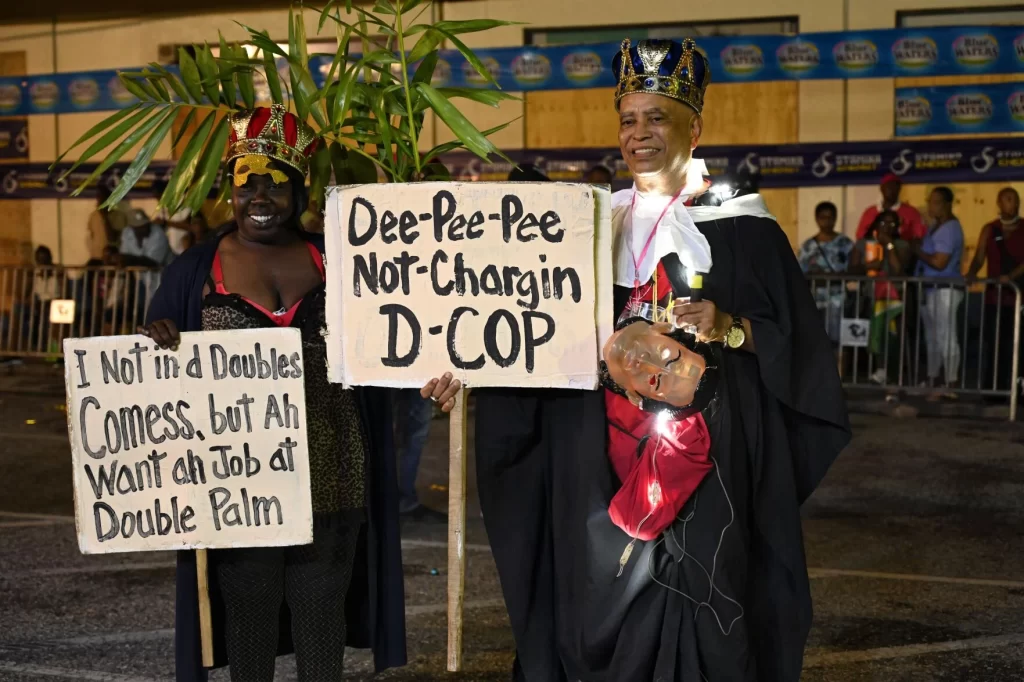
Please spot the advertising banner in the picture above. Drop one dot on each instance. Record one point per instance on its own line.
(797, 165)
(13, 138)
(942, 51)
(987, 108)
(775, 166)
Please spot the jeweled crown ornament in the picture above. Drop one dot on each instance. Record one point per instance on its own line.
(663, 67)
(272, 132)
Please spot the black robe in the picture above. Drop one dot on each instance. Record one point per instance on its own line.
(545, 485)
(375, 605)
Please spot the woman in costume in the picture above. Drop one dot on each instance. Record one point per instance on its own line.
(263, 271)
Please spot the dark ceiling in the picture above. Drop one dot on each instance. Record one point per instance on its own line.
(19, 11)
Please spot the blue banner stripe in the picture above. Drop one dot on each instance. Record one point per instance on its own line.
(987, 108)
(859, 54)
(779, 166)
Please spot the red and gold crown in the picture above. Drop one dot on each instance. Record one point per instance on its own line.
(272, 132)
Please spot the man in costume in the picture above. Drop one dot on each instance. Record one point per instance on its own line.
(639, 536)
(263, 271)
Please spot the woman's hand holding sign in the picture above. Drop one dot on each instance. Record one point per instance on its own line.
(163, 332)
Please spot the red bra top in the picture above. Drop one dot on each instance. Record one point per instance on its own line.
(281, 318)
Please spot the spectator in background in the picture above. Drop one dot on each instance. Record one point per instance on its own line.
(113, 290)
(911, 225)
(827, 253)
(599, 175)
(1001, 245)
(143, 241)
(939, 255)
(891, 258)
(200, 228)
(143, 244)
(45, 288)
(104, 225)
(175, 228)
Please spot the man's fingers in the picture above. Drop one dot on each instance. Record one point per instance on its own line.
(450, 393)
(449, 397)
(692, 314)
(428, 389)
(441, 385)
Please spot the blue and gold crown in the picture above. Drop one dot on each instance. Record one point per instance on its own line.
(663, 67)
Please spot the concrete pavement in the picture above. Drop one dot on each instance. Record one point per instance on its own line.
(914, 543)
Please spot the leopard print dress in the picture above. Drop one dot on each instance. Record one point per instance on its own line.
(334, 426)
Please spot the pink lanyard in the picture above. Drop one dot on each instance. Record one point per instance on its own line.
(650, 238)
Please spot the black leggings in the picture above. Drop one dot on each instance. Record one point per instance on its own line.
(314, 580)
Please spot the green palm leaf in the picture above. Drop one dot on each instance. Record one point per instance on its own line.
(190, 75)
(226, 71)
(207, 169)
(209, 73)
(138, 87)
(491, 98)
(183, 128)
(425, 70)
(319, 176)
(132, 139)
(244, 79)
(115, 133)
(457, 144)
(141, 161)
(98, 128)
(467, 53)
(156, 82)
(185, 167)
(171, 80)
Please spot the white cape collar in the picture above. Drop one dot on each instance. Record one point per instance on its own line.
(677, 232)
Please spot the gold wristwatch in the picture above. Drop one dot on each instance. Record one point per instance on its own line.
(736, 335)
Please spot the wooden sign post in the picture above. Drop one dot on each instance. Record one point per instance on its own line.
(493, 282)
(205, 615)
(456, 527)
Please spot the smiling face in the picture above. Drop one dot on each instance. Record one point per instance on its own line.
(648, 364)
(263, 203)
(657, 136)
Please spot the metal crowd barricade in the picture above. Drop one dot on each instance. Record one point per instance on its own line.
(42, 306)
(904, 333)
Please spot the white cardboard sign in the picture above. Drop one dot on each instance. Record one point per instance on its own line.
(494, 282)
(203, 447)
